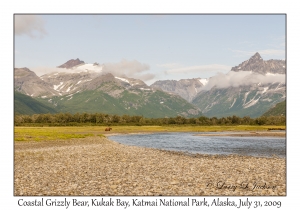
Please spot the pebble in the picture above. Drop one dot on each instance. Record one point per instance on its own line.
(96, 166)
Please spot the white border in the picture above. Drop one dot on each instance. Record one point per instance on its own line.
(8, 8)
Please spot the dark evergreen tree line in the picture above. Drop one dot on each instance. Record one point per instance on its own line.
(67, 119)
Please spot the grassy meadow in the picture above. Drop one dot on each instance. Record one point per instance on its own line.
(53, 133)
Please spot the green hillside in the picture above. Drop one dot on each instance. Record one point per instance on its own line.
(240, 101)
(279, 109)
(151, 104)
(24, 104)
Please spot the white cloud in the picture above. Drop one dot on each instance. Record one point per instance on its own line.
(133, 69)
(241, 78)
(31, 25)
(46, 70)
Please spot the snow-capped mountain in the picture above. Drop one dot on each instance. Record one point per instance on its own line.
(78, 66)
(87, 67)
(249, 89)
(86, 88)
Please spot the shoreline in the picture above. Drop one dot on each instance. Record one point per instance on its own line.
(248, 134)
(98, 166)
(133, 133)
(194, 154)
(211, 133)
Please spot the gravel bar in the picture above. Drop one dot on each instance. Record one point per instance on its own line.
(96, 166)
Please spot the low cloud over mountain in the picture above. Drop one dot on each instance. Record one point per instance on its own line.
(242, 78)
(126, 68)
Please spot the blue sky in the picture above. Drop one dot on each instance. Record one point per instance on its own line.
(157, 46)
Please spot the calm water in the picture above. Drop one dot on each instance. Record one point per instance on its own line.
(187, 142)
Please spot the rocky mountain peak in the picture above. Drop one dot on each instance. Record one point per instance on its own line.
(256, 56)
(27, 82)
(71, 63)
(22, 72)
(24, 68)
(258, 65)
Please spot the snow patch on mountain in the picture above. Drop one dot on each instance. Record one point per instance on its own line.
(55, 72)
(55, 87)
(250, 103)
(145, 89)
(87, 67)
(203, 81)
(265, 89)
(122, 79)
(245, 97)
(69, 88)
(234, 100)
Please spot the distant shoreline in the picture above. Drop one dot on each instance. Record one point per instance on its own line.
(247, 134)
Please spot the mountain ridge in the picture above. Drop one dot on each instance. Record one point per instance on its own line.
(249, 89)
(190, 97)
(71, 63)
(258, 65)
(90, 91)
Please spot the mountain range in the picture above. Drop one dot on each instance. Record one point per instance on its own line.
(249, 89)
(85, 88)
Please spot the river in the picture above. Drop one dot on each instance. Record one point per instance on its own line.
(222, 145)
